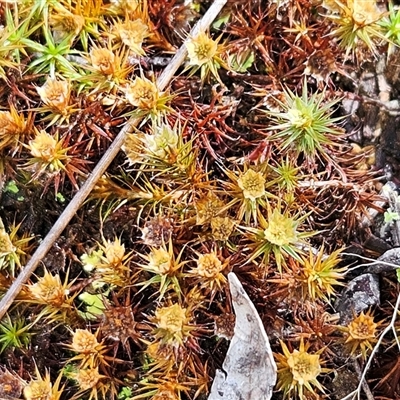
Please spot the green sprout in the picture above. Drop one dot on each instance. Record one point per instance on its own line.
(12, 37)
(11, 187)
(390, 216)
(390, 25)
(94, 305)
(306, 123)
(92, 260)
(14, 333)
(288, 175)
(60, 198)
(125, 393)
(52, 55)
(241, 62)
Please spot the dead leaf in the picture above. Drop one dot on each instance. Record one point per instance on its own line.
(249, 369)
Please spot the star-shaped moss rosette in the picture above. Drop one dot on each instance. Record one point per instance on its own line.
(163, 151)
(248, 189)
(50, 157)
(320, 272)
(173, 324)
(205, 55)
(361, 334)
(209, 273)
(44, 387)
(298, 371)
(166, 268)
(13, 129)
(132, 34)
(149, 101)
(305, 124)
(109, 265)
(106, 71)
(278, 235)
(14, 248)
(54, 296)
(357, 24)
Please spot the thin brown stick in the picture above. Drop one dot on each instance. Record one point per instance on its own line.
(364, 383)
(101, 167)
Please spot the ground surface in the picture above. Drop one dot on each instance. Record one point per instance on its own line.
(272, 153)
